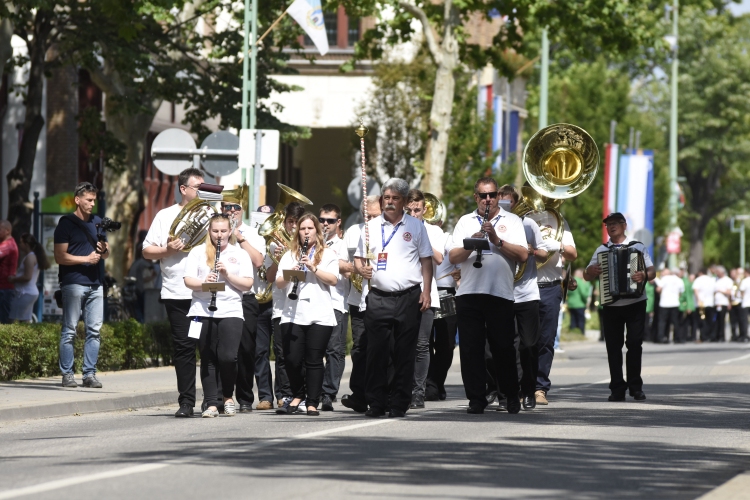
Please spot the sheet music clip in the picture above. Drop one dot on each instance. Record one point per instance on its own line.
(217, 286)
(290, 274)
(476, 244)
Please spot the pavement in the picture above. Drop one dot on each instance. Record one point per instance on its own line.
(689, 439)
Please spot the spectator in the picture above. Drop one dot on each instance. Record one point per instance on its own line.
(8, 264)
(577, 302)
(687, 307)
(26, 278)
(670, 288)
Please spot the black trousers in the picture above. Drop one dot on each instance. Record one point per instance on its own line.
(616, 319)
(706, 325)
(357, 379)
(720, 324)
(527, 331)
(743, 322)
(263, 376)
(485, 318)
(734, 321)
(442, 345)
(184, 349)
(335, 356)
(669, 316)
(688, 325)
(282, 389)
(246, 353)
(578, 319)
(305, 345)
(391, 321)
(549, 311)
(219, 344)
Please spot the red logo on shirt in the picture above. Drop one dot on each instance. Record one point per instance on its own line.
(502, 229)
(232, 260)
(407, 236)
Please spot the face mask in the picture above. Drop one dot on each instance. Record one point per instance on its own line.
(504, 204)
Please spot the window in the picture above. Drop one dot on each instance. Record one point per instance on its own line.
(331, 21)
(353, 31)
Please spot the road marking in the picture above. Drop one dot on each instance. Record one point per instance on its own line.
(727, 361)
(605, 381)
(63, 483)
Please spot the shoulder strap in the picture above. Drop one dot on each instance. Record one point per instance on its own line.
(634, 243)
(79, 223)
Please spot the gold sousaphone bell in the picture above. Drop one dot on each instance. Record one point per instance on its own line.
(434, 210)
(559, 162)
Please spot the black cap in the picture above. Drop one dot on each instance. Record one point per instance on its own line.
(614, 217)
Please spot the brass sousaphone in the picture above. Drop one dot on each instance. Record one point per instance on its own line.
(559, 162)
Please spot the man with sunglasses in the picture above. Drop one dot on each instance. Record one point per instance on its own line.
(253, 357)
(484, 301)
(330, 220)
(78, 253)
(176, 297)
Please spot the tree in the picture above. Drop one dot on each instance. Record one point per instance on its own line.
(6, 33)
(586, 26)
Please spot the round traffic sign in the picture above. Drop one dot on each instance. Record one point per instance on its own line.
(172, 139)
(220, 165)
(354, 191)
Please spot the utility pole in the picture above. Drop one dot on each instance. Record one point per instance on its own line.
(673, 194)
(741, 230)
(544, 84)
(249, 89)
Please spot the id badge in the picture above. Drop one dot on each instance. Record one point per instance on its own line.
(195, 328)
(382, 261)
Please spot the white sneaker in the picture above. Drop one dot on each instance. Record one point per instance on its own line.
(209, 413)
(229, 409)
(559, 350)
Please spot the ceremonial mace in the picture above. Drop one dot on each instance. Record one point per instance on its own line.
(361, 131)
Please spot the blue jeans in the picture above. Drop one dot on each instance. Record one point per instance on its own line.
(6, 297)
(90, 301)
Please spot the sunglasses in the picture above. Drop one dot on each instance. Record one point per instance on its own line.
(323, 220)
(219, 215)
(491, 194)
(83, 187)
(232, 206)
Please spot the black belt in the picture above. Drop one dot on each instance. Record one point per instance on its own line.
(449, 289)
(399, 293)
(547, 284)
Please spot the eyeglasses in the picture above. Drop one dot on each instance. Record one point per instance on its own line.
(192, 187)
(83, 187)
(323, 220)
(491, 194)
(232, 206)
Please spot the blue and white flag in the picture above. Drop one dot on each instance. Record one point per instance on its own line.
(309, 15)
(635, 195)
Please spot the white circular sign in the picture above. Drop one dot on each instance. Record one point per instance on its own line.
(172, 139)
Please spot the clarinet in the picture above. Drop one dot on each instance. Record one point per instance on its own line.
(478, 262)
(293, 294)
(212, 305)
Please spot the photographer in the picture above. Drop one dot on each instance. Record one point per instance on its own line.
(80, 243)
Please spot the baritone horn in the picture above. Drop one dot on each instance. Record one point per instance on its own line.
(273, 229)
(434, 210)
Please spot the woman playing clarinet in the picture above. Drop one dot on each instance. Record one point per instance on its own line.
(218, 315)
(307, 320)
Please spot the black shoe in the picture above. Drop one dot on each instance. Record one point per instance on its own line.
(417, 401)
(394, 413)
(431, 395)
(443, 395)
(287, 409)
(529, 402)
(616, 397)
(638, 395)
(185, 411)
(372, 412)
(491, 397)
(326, 404)
(245, 408)
(313, 413)
(475, 409)
(513, 405)
(353, 404)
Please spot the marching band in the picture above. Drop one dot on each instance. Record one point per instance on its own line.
(411, 289)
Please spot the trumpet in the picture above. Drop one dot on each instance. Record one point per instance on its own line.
(212, 305)
(293, 294)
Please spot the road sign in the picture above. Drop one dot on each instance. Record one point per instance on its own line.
(354, 191)
(269, 150)
(169, 151)
(219, 165)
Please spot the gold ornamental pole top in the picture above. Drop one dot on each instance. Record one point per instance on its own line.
(361, 131)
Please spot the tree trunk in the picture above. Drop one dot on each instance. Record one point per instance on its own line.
(19, 179)
(440, 122)
(6, 49)
(697, 233)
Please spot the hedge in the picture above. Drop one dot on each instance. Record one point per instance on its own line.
(32, 350)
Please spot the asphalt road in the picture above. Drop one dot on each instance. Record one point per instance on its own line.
(689, 437)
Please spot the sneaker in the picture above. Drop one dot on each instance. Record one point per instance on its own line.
(69, 380)
(559, 350)
(229, 409)
(302, 404)
(209, 413)
(541, 398)
(280, 403)
(285, 401)
(92, 382)
(264, 405)
(326, 404)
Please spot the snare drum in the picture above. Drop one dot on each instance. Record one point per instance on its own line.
(447, 305)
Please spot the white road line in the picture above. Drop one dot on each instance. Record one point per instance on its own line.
(605, 381)
(727, 361)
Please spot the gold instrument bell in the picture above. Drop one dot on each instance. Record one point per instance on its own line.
(434, 210)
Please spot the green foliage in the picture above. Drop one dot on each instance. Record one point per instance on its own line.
(32, 350)
(98, 141)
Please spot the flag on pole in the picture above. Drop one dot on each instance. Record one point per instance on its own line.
(611, 155)
(635, 195)
(309, 15)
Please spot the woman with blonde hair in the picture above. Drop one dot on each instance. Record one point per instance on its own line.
(27, 293)
(220, 329)
(307, 321)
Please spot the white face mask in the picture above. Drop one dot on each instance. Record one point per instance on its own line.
(504, 204)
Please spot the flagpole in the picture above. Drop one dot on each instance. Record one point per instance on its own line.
(277, 21)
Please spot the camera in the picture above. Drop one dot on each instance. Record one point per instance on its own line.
(109, 225)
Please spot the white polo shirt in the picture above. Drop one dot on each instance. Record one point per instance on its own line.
(173, 266)
(228, 302)
(724, 284)
(437, 242)
(403, 245)
(314, 304)
(671, 288)
(745, 290)
(495, 277)
(259, 243)
(351, 241)
(340, 292)
(646, 257)
(704, 288)
(446, 267)
(526, 289)
(552, 270)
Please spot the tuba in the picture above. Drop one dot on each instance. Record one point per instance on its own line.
(434, 210)
(273, 229)
(559, 162)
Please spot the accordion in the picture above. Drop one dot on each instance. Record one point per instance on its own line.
(618, 266)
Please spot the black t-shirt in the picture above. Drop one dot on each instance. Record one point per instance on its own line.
(67, 231)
